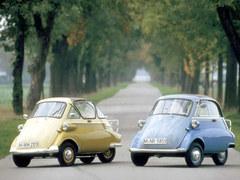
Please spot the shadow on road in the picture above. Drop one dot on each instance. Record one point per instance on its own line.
(78, 164)
(201, 167)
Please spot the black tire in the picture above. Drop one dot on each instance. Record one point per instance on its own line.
(220, 158)
(87, 160)
(67, 154)
(194, 155)
(107, 156)
(139, 159)
(21, 161)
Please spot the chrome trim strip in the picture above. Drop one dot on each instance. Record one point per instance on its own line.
(136, 150)
(112, 145)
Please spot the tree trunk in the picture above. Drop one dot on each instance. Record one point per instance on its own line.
(231, 82)
(220, 79)
(195, 83)
(37, 72)
(225, 14)
(108, 72)
(206, 86)
(17, 101)
(90, 85)
(57, 67)
(183, 77)
(37, 69)
(81, 75)
(162, 75)
(72, 71)
(239, 88)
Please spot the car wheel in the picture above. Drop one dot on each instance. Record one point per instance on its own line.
(194, 155)
(139, 159)
(87, 160)
(21, 161)
(67, 154)
(107, 156)
(220, 158)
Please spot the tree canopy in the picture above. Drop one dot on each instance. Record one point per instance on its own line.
(94, 43)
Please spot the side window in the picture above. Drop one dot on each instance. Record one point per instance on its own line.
(202, 109)
(86, 109)
(213, 109)
(73, 114)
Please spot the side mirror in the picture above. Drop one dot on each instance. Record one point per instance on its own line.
(25, 116)
(141, 123)
(229, 124)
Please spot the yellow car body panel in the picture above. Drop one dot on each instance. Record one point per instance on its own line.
(44, 135)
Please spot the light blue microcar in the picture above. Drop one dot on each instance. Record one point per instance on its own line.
(190, 126)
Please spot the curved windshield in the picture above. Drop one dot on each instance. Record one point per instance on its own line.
(173, 106)
(49, 109)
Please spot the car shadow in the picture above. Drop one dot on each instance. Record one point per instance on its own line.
(185, 166)
(77, 165)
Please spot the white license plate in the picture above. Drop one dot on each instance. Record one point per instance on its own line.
(155, 141)
(23, 145)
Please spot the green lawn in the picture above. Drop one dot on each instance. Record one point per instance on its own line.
(9, 122)
(232, 115)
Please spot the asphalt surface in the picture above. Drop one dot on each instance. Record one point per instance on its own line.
(128, 105)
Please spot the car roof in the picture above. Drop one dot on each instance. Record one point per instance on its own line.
(61, 99)
(193, 97)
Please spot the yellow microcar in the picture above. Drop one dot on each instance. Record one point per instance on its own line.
(65, 128)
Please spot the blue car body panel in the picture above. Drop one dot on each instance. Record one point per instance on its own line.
(215, 137)
(163, 126)
(212, 132)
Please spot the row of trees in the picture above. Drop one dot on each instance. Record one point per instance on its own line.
(86, 43)
(187, 38)
(93, 43)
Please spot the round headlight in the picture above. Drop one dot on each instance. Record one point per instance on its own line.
(20, 127)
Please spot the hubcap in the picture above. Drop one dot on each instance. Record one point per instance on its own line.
(196, 155)
(221, 156)
(68, 154)
(107, 154)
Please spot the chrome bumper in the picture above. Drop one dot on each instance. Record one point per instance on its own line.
(136, 150)
(113, 145)
(51, 150)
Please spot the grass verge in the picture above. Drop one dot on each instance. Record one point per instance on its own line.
(9, 121)
(104, 93)
(232, 115)
(165, 90)
(235, 118)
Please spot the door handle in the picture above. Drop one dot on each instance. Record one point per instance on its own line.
(214, 120)
(89, 120)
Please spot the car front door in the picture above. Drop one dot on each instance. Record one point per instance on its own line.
(212, 127)
(89, 130)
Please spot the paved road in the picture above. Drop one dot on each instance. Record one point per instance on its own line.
(128, 105)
